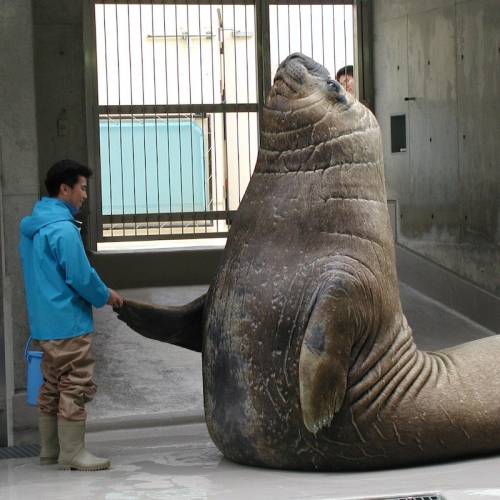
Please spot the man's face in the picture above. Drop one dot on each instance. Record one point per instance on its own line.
(347, 81)
(75, 195)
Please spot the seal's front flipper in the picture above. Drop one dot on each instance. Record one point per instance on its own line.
(325, 357)
(180, 326)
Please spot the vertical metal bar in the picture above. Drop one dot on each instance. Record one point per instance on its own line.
(144, 125)
(224, 101)
(355, 52)
(167, 117)
(190, 102)
(248, 89)
(333, 38)
(107, 112)
(234, 52)
(156, 117)
(300, 27)
(322, 35)
(259, 52)
(311, 19)
(202, 123)
(345, 45)
(120, 116)
(236, 97)
(131, 115)
(263, 53)
(179, 117)
(277, 33)
(289, 40)
(213, 115)
(210, 167)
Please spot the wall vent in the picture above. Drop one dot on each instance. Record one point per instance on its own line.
(425, 496)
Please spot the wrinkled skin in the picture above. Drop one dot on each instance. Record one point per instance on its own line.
(308, 361)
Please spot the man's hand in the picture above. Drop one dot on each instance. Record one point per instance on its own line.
(115, 300)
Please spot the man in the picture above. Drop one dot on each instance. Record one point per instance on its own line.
(345, 76)
(61, 288)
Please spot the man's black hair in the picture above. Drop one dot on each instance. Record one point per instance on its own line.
(65, 172)
(346, 70)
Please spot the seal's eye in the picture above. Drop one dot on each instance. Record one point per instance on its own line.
(336, 91)
(333, 85)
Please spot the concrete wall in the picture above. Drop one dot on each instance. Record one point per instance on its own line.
(18, 160)
(60, 84)
(445, 56)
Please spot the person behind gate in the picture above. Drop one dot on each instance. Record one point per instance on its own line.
(61, 288)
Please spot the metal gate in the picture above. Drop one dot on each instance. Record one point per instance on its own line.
(180, 86)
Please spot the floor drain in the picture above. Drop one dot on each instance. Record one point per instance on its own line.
(428, 496)
(22, 451)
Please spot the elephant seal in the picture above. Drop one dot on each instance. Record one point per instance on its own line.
(308, 360)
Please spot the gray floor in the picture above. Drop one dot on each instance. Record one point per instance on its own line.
(434, 325)
(180, 463)
(138, 377)
(145, 387)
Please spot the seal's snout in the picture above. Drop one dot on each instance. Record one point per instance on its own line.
(293, 67)
(297, 65)
(291, 74)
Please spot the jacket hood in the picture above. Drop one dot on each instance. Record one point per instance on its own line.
(46, 211)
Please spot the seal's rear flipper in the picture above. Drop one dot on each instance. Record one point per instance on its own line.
(325, 356)
(180, 326)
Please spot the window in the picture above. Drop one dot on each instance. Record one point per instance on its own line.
(179, 90)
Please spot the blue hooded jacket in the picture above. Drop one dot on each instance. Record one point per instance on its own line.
(61, 285)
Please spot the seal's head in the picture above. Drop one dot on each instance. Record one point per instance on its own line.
(299, 81)
(310, 122)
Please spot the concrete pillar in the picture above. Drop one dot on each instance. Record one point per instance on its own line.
(19, 185)
(60, 83)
